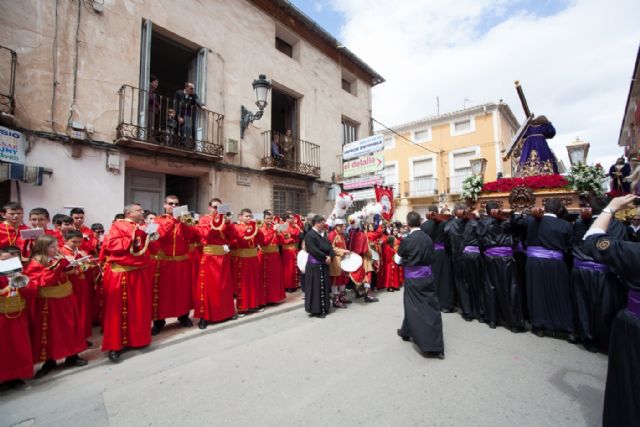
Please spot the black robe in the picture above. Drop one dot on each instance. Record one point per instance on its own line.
(443, 269)
(422, 319)
(502, 290)
(317, 283)
(454, 232)
(597, 295)
(471, 284)
(622, 392)
(548, 293)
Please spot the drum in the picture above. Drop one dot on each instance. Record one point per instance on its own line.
(351, 262)
(397, 259)
(302, 260)
(375, 256)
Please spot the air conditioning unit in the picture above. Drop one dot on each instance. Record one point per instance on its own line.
(231, 146)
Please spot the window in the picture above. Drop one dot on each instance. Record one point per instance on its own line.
(349, 82)
(284, 47)
(423, 169)
(462, 126)
(461, 162)
(391, 178)
(289, 199)
(389, 142)
(349, 131)
(422, 182)
(422, 135)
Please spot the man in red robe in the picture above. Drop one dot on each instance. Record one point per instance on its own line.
(271, 262)
(247, 268)
(128, 284)
(213, 292)
(359, 243)
(11, 226)
(291, 240)
(172, 284)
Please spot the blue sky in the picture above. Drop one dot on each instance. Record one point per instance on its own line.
(323, 13)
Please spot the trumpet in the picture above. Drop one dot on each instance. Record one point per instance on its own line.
(188, 220)
(18, 280)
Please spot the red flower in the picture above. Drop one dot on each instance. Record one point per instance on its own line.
(540, 181)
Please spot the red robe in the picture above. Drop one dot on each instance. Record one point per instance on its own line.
(291, 239)
(392, 276)
(172, 286)
(128, 287)
(10, 236)
(81, 289)
(90, 246)
(56, 331)
(213, 293)
(16, 357)
(271, 262)
(247, 267)
(359, 243)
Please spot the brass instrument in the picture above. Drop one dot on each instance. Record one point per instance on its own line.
(18, 280)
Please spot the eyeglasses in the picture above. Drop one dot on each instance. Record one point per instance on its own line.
(635, 219)
(173, 203)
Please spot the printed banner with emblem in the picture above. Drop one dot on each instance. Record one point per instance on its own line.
(384, 196)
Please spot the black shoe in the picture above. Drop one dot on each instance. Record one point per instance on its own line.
(202, 324)
(402, 336)
(591, 347)
(75, 361)
(185, 321)
(157, 326)
(538, 331)
(492, 325)
(573, 339)
(114, 356)
(434, 355)
(47, 367)
(517, 329)
(370, 298)
(13, 384)
(234, 317)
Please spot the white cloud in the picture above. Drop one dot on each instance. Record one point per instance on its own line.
(575, 66)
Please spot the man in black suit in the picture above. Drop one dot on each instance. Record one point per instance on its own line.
(186, 104)
(634, 229)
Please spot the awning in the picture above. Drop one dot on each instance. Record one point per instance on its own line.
(19, 172)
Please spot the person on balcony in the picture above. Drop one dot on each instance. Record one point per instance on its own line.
(288, 145)
(276, 153)
(155, 103)
(186, 103)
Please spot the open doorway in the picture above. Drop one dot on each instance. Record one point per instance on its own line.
(284, 117)
(170, 63)
(150, 188)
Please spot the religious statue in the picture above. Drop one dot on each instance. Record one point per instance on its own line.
(618, 173)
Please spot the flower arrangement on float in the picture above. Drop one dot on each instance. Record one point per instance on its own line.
(587, 180)
(535, 182)
(471, 187)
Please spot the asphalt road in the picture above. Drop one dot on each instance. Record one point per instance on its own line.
(283, 368)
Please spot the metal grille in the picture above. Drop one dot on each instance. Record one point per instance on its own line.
(290, 199)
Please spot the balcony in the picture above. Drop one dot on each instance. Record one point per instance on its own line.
(455, 183)
(422, 187)
(159, 124)
(290, 156)
(8, 60)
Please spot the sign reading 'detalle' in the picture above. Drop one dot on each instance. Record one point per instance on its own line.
(362, 146)
(362, 165)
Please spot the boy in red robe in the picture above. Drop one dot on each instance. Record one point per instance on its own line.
(172, 284)
(11, 226)
(291, 240)
(248, 237)
(214, 290)
(16, 359)
(271, 262)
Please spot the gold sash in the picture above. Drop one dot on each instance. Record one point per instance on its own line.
(270, 249)
(117, 268)
(214, 250)
(60, 291)
(246, 252)
(290, 246)
(12, 304)
(161, 257)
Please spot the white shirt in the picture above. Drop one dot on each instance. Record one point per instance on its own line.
(552, 215)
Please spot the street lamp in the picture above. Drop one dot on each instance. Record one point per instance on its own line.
(478, 166)
(261, 86)
(578, 151)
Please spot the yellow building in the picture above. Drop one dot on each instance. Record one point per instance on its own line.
(427, 160)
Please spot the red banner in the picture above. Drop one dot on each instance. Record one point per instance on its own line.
(384, 196)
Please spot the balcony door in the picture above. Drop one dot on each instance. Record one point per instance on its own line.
(284, 115)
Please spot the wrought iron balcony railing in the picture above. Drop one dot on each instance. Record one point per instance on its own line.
(422, 187)
(8, 61)
(290, 155)
(160, 123)
(455, 183)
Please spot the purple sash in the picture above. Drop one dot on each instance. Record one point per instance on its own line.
(438, 246)
(497, 251)
(540, 252)
(471, 250)
(633, 303)
(590, 265)
(312, 260)
(417, 271)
